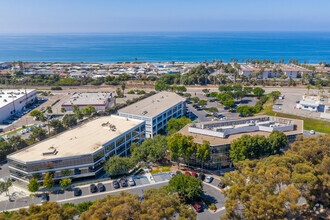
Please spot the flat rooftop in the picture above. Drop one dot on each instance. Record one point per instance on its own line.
(216, 141)
(8, 95)
(84, 139)
(153, 105)
(95, 98)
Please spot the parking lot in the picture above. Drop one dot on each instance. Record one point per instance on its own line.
(161, 177)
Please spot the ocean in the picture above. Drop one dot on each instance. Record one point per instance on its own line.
(162, 47)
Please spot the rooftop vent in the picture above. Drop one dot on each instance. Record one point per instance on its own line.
(144, 112)
(51, 151)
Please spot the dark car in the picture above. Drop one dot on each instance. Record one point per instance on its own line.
(201, 176)
(178, 172)
(77, 192)
(101, 187)
(93, 188)
(115, 184)
(44, 197)
(123, 182)
(221, 185)
(197, 206)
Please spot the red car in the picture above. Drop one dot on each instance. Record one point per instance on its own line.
(197, 206)
(194, 174)
(187, 173)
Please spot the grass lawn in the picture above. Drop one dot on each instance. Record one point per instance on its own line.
(160, 169)
(309, 123)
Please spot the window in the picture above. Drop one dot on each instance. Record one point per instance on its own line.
(120, 141)
(98, 155)
(110, 147)
(135, 132)
(128, 136)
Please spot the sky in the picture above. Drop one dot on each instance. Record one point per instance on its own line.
(107, 16)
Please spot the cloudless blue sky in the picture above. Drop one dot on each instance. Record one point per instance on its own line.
(103, 16)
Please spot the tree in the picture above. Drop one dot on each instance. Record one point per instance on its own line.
(123, 86)
(63, 110)
(178, 144)
(194, 99)
(223, 97)
(38, 134)
(118, 165)
(308, 87)
(229, 103)
(186, 186)
(49, 110)
(69, 121)
(33, 185)
(88, 110)
(202, 102)
(245, 110)
(151, 150)
(275, 95)
(35, 113)
(206, 91)
(57, 125)
(213, 94)
(258, 92)
(213, 110)
(277, 140)
(175, 124)
(48, 180)
(203, 152)
(65, 182)
(17, 143)
(5, 185)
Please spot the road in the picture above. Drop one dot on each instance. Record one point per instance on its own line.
(211, 192)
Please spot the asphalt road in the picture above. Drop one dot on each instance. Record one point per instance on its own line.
(210, 192)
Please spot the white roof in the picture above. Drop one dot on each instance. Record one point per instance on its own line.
(8, 95)
(307, 103)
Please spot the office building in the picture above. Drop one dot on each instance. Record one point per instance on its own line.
(79, 152)
(156, 110)
(220, 134)
(99, 100)
(13, 101)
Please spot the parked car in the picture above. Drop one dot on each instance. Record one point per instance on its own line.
(171, 174)
(221, 185)
(209, 179)
(178, 172)
(115, 184)
(131, 182)
(312, 132)
(201, 176)
(194, 174)
(44, 197)
(100, 187)
(187, 173)
(207, 115)
(93, 188)
(77, 191)
(197, 206)
(123, 182)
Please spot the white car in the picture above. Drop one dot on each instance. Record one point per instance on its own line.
(209, 179)
(312, 132)
(171, 174)
(131, 182)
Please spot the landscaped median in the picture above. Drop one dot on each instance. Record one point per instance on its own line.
(16, 130)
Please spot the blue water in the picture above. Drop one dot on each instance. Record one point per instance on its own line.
(153, 47)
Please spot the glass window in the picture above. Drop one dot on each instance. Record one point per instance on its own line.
(98, 155)
(110, 147)
(128, 136)
(120, 141)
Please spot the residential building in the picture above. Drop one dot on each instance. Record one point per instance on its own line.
(13, 101)
(156, 110)
(79, 152)
(99, 100)
(220, 134)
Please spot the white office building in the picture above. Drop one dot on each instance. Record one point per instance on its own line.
(99, 100)
(156, 110)
(13, 101)
(79, 152)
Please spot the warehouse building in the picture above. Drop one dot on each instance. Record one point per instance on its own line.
(156, 110)
(79, 152)
(99, 100)
(220, 134)
(13, 101)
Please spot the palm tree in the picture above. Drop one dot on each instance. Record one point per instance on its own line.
(308, 87)
(319, 87)
(123, 86)
(135, 59)
(231, 59)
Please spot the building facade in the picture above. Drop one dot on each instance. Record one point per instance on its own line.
(13, 101)
(99, 100)
(156, 110)
(220, 134)
(79, 152)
